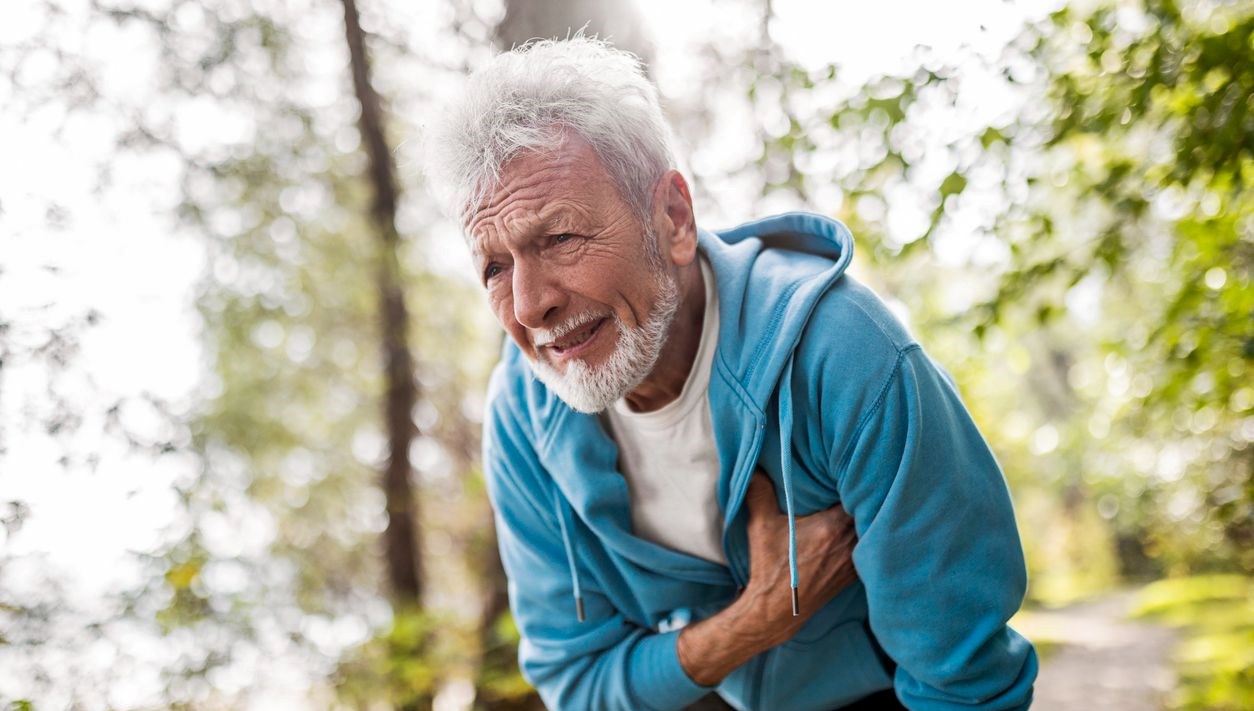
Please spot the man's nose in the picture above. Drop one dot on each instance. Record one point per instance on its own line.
(537, 296)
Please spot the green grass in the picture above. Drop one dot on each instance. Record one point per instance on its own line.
(1215, 659)
(1045, 648)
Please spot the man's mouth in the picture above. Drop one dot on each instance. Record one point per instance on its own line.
(571, 342)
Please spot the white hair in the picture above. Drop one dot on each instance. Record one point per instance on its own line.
(523, 100)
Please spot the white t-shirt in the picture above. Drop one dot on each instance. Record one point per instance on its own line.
(670, 459)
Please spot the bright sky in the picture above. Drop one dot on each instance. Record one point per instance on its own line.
(116, 255)
(864, 38)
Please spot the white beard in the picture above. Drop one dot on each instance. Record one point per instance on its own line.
(593, 389)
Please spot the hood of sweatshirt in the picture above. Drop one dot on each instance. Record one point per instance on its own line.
(771, 274)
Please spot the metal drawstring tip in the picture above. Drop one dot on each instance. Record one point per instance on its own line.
(579, 608)
(796, 605)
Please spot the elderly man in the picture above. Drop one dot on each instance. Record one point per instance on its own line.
(680, 416)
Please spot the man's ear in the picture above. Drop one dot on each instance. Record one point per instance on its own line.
(673, 219)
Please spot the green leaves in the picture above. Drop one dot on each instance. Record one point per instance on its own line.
(953, 184)
(1216, 613)
(1085, 265)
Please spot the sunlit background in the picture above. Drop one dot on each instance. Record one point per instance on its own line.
(194, 443)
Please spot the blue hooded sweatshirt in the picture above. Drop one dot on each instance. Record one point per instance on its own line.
(816, 383)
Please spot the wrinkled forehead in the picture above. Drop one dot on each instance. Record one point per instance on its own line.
(534, 187)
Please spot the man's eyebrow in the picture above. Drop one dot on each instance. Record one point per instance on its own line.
(549, 220)
(553, 218)
(533, 229)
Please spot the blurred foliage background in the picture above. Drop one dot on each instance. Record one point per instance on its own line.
(1066, 221)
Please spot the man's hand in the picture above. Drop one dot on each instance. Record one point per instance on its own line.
(825, 543)
(762, 616)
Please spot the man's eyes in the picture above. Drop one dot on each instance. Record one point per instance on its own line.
(556, 240)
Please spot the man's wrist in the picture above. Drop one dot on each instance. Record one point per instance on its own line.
(712, 648)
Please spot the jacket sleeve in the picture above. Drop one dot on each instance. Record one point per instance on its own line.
(938, 549)
(605, 662)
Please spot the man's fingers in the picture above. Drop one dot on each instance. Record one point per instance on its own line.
(842, 517)
(835, 516)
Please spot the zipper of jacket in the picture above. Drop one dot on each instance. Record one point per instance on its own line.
(739, 571)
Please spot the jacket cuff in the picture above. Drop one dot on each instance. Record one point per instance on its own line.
(670, 687)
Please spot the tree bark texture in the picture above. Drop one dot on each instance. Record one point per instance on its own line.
(618, 22)
(401, 538)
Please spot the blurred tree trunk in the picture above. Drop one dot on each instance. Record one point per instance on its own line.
(401, 546)
(619, 23)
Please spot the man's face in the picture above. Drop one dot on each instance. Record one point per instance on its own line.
(573, 276)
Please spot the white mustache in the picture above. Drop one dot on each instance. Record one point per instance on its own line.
(547, 336)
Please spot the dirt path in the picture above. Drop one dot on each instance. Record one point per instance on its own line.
(1106, 660)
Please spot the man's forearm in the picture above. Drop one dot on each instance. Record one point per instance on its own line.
(711, 649)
